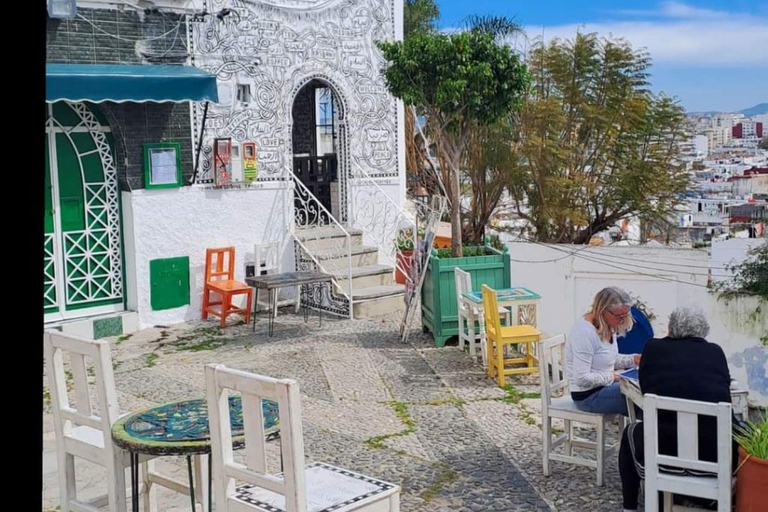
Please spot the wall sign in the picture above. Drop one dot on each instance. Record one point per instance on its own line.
(162, 165)
(222, 161)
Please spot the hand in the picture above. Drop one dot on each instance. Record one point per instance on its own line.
(616, 377)
(636, 357)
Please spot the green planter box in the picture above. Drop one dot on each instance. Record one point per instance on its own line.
(439, 313)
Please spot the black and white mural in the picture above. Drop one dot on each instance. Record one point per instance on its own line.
(264, 51)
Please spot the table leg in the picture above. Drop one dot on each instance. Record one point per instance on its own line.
(320, 306)
(191, 482)
(255, 308)
(134, 457)
(272, 308)
(304, 300)
(210, 482)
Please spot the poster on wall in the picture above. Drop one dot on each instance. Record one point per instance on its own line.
(249, 162)
(222, 159)
(162, 165)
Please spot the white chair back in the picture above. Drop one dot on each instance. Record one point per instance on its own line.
(80, 353)
(219, 381)
(687, 462)
(552, 363)
(266, 258)
(463, 284)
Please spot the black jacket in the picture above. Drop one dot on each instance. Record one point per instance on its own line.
(688, 368)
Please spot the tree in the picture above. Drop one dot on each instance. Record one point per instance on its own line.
(763, 144)
(457, 81)
(420, 17)
(595, 146)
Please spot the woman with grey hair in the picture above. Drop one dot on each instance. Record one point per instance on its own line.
(592, 353)
(682, 365)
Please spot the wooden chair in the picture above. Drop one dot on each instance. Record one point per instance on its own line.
(267, 262)
(552, 372)
(316, 487)
(686, 473)
(470, 315)
(81, 431)
(219, 280)
(498, 336)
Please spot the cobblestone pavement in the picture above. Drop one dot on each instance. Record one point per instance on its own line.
(427, 419)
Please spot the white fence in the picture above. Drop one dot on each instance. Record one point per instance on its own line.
(567, 278)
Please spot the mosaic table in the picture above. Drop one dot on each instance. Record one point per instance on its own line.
(181, 429)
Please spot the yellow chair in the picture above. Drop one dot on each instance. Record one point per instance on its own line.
(498, 336)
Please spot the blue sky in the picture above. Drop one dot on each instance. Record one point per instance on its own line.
(711, 55)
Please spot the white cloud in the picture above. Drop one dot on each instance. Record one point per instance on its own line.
(683, 35)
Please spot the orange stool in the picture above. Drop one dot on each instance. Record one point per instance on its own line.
(219, 274)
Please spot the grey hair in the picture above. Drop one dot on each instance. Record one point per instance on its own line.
(688, 322)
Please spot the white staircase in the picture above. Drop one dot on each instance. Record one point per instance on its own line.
(374, 290)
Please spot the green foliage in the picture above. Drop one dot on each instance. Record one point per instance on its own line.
(467, 250)
(754, 438)
(763, 144)
(595, 146)
(419, 16)
(457, 81)
(750, 276)
(460, 78)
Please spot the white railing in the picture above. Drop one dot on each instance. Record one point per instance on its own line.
(383, 222)
(309, 212)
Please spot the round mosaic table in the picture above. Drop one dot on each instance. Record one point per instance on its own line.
(181, 429)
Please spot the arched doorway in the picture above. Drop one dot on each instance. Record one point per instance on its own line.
(83, 263)
(318, 135)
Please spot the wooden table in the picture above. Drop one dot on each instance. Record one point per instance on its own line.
(630, 388)
(274, 282)
(181, 429)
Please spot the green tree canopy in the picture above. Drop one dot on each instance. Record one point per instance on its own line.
(595, 146)
(457, 81)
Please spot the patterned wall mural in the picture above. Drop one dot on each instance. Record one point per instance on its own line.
(277, 46)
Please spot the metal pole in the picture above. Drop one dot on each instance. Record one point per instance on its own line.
(200, 143)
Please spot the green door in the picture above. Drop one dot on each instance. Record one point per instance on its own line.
(83, 255)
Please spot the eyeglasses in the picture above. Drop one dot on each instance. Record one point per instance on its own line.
(618, 317)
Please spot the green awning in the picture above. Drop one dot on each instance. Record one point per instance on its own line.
(119, 83)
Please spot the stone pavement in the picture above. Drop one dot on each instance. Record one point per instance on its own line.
(425, 418)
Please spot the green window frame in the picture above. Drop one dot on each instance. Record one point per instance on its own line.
(152, 173)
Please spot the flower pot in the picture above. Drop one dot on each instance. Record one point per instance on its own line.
(403, 268)
(751, 483)
(439, 308)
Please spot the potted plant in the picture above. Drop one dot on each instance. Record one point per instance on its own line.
(404, 244)
(439, 308)
(752, 474)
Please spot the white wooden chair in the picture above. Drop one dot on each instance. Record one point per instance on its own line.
(469, 314)
(83, 432)
(316, 487)
(267, 262)
(552, 373)
(686, 474)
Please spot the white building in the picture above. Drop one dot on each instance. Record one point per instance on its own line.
(304, 135)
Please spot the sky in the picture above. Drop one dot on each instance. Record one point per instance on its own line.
(709, 54)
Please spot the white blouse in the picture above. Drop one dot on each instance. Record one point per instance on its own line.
(590, 360)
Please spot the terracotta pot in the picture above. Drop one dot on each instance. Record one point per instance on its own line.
(751, 484)
(403, 268)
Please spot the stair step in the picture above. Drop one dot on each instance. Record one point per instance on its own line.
(368, 270)
(332, 254)
(325, 232)
(377, 292)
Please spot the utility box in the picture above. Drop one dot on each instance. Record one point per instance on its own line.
(169, 283)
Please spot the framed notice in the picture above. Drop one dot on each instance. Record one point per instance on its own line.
(162, 165)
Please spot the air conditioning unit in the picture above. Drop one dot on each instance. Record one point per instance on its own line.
(62, 9)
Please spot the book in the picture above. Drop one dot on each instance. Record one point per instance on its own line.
(630, 374)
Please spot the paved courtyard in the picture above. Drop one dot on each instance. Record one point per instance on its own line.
(427, 419)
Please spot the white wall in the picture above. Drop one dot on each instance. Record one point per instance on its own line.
(663, 278)
(729, 252)
(185, 222)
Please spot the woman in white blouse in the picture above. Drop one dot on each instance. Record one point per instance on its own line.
(593, 356)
